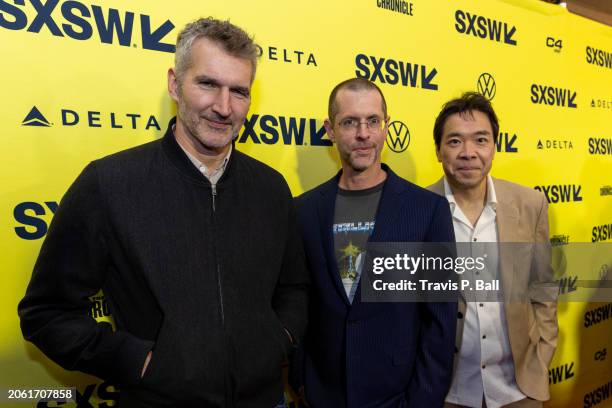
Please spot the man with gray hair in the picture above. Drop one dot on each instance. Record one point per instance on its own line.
(194, 244)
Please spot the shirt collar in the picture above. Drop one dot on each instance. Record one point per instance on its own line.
(491, 196)
(202, 167)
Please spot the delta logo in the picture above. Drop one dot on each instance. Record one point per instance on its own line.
(554, 144)
(79, 21)
(93, 119)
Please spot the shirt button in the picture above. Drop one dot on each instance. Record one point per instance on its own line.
(481, 304)
(483, 366)
(460, 315)
(475, 239)
(484, 336)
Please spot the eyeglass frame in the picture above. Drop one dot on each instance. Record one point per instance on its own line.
(368, 122)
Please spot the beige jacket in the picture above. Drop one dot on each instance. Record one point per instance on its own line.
(522, 216)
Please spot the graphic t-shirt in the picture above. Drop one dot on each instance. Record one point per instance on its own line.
(354, 218)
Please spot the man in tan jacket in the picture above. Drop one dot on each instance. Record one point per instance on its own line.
(503, 349)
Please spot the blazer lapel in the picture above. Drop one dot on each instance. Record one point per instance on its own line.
(507, 226)
(386, 213)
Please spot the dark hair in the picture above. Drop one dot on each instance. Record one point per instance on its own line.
(233, 39)
(353, 84)
(468, 102)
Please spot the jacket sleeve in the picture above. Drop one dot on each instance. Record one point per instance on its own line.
(434, 363)
(543, 290)
(290, 300)
(70, 268)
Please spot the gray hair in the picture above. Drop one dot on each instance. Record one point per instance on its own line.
(233, 39)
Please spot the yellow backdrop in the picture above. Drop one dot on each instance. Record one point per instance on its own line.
(82, 79)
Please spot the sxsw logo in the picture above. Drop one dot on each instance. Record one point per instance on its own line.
(486, 85)
(568, 284)
(561, 373)
(32, 217)
(398, 136)
(505, 143)
(550, 95)
(597, 315)
(484, 27)
(598, 57)
(79, 21)
(601, 232)
(93, 119)
(561, 193)
(270, 129)
(395, 72)
(600, 146)
(598, 396)
(554, 144)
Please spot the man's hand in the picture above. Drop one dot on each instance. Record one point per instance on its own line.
(146, 363)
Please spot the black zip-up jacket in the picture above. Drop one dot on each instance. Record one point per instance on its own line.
(208, 282)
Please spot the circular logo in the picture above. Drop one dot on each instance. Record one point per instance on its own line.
(486, 85)
(398, 136)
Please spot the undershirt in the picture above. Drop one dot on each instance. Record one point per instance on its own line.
(354, 217)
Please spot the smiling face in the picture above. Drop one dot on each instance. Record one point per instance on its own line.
(213, 95)
(467, 149)
(359, 147)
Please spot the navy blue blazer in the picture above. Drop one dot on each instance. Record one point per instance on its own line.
(374, 354)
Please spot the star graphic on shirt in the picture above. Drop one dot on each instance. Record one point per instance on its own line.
(349, 255)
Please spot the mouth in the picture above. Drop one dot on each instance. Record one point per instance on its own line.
(362, 149)
(218, 124)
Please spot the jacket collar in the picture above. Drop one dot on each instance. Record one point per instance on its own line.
(175, 153)
(393, 183)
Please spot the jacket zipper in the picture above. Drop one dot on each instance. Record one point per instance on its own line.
(214, 196)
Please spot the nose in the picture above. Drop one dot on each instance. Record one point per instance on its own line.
(362, 131)
(468, 150)
(222, 104)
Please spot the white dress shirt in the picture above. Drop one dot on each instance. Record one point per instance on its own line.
(212, 176)
(484, 367)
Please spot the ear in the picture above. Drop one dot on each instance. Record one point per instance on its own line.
(173, 85)
(330, 130)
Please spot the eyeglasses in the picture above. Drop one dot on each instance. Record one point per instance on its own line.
(351, 124)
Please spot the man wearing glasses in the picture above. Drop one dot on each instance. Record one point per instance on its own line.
(357, 353)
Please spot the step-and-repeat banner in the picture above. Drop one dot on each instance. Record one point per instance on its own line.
(84, 78)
